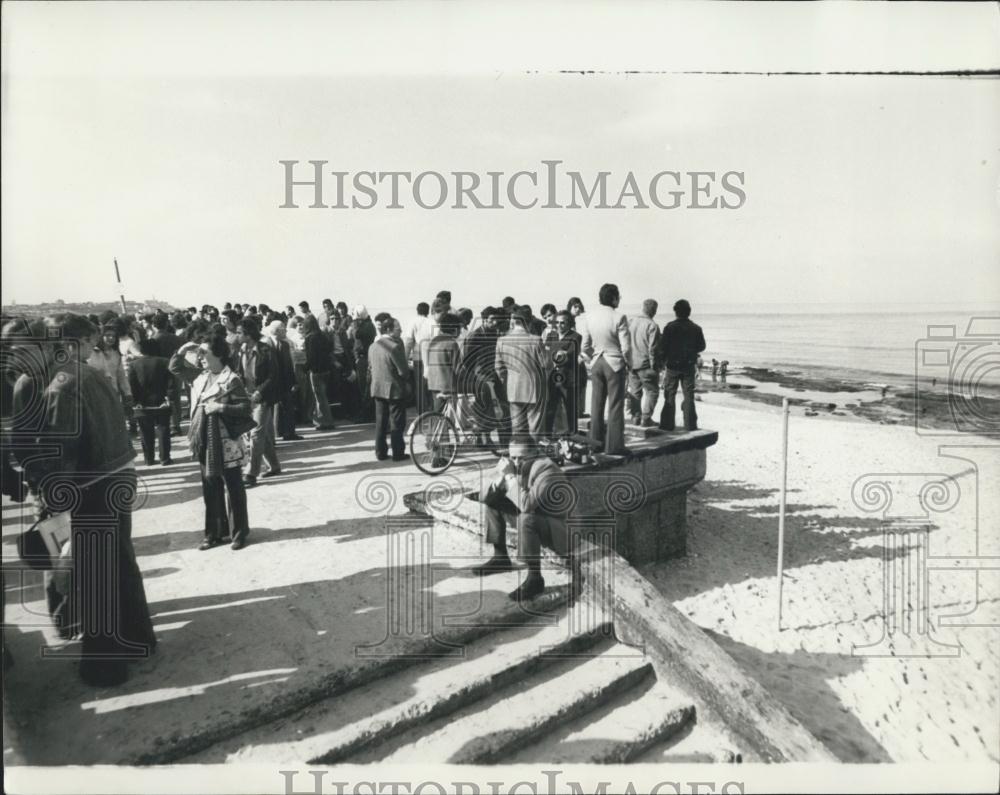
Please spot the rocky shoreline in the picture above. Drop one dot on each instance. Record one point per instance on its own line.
(875, 397)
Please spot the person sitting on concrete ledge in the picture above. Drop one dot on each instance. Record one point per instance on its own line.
(532, 486)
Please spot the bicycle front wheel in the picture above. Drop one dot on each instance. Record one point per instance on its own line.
(433, 442)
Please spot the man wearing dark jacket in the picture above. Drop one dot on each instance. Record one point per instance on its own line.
(151, 382)
(167, 343)
(477, 373)
(284, 408)
(564, 349)
(679, 347)
(257, 366)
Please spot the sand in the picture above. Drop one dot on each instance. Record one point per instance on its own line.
(864, 708)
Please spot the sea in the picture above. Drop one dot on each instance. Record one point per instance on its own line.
(872, 343)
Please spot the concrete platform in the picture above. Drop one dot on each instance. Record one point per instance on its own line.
(329, 594)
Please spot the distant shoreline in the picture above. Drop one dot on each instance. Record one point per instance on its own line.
(883, 398)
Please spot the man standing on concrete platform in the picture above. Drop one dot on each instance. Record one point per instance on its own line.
(643, 374)
(523, 364)
(607, 343)
(680, 345)
(564, 349)
(532, 487)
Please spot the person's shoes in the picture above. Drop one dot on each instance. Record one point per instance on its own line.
(271, 473)
(633, 419)
(647, 423)
(239, 541)
(382, 457)
(528, 590)
(150, 462)
(292, 438)
(176, 432)
(249, 481)
(403, 457)
(168, 462)
(325, 427)
(495, 565)
(209, 543)
(103, 673)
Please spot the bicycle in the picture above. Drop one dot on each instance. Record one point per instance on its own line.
(436, 436)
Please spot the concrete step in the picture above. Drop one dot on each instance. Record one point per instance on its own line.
(696, 742)
(493, 729)
(333, 729)
(616, 733)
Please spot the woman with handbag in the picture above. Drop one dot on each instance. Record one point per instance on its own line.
(220, 415)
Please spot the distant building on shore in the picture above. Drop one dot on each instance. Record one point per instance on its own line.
(14, 309)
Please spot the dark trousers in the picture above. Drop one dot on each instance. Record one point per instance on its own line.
(320, 407)
(421, 394)
(582, 378)
(607, 386)
(154, 422)
(365, 407)
(686, 380)
(109, 600)
(219, 522)
(390, 418)
(534, 530)
(284, 415)
(562, 392)
(176, 386)
(492, 411)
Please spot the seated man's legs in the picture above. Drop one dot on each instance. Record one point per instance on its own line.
(496, 534)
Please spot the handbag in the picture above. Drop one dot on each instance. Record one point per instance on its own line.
(41, 545)
(237, 425)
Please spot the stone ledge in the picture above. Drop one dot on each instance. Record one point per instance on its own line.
(682, 654)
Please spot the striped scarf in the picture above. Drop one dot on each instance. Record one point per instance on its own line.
(206, 442)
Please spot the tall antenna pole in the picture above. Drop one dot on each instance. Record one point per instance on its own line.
(121, 293)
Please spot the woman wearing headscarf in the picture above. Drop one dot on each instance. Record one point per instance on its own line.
(92, 477)
(220, 415)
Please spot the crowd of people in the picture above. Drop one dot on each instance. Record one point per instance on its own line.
(250, 375)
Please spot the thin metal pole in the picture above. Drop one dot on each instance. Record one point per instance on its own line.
(781, 510)
(121, 295)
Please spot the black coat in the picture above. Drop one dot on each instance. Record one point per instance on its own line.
(150, 381)
(680, 344)
(286, 367)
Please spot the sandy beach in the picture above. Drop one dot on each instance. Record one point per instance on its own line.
(864, 704)
(926, 692)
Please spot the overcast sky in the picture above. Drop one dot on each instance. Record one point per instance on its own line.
(155, 137)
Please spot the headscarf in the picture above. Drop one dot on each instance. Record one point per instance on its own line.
(360, 312)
